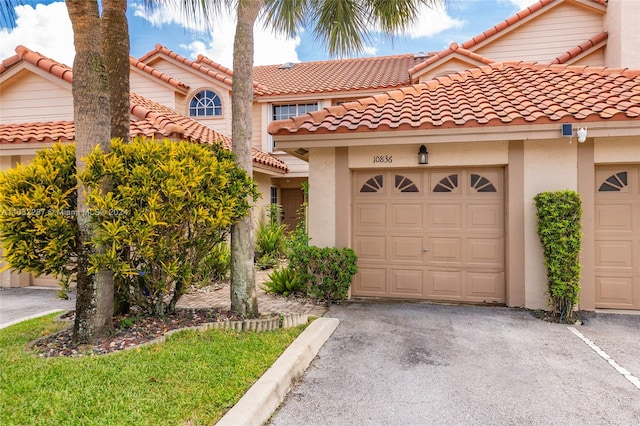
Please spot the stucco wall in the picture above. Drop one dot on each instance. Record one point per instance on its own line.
(620, 150)
(444, 154)
(548, 166)
(322, 188)
(264, 186)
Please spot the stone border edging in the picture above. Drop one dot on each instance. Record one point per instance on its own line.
(257, 325)
(266, 394)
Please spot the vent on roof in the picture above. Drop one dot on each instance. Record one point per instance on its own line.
(420, 55)
(286, 65)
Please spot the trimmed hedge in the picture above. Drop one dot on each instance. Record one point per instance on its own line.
(559, 216)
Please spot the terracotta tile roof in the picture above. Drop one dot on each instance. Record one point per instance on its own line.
(183, 87)
(49, 65)
(513, 20)
(63, 131)
(333, 76)
(452, 49)
(204, 65)
(581, 48)
(214, 65)
(153, 119)
(501, 94)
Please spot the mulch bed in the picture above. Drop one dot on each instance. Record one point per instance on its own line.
(130, 330)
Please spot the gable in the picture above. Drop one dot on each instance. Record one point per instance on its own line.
(28, 95)
(541, 38)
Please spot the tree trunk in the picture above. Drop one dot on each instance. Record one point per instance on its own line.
(116, 48)
(115, 45)
(243, 284)
(94, 301)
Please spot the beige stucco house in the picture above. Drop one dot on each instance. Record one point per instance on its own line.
(460, 228)
(492, 113)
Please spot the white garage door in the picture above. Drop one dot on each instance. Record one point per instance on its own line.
(617, 227)
(430, 234)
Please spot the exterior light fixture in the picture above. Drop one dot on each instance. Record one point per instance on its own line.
(582, 134)
(423, 155)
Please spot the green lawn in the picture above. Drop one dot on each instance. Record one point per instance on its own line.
(193, 377)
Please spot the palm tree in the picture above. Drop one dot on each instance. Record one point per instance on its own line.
(90, 88)
(343, 26)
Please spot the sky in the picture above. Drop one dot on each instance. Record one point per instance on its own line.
(44, 26)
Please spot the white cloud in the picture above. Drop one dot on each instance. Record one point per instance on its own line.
(432, 21)
(45, 29)
(269, 48)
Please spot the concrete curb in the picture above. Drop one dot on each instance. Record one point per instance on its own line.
(264, 397)
(40, 314)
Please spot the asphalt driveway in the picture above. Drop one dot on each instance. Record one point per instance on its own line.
(424, 364)
(19, 303)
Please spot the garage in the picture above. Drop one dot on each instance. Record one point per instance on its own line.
(432, 234)
(617, 237)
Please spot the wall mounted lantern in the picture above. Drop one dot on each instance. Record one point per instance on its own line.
(423, 155)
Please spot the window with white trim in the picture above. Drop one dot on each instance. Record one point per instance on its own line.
(284, 111)
(205, 103)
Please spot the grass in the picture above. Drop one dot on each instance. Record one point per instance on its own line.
(194, 377)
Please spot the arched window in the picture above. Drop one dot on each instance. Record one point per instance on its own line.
(205, 104)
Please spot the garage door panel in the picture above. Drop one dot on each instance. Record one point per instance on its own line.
(485, 252)
(445, 250)
(406, 282)
(615, 292)
(616, 217)
(483, 182)
(485, 217)
(371, 216)
(486, 287)
(444, 284)
(614, 254)
(404, 216)
(371, 248)
(406, 249)
(445, 217)
(370, 282)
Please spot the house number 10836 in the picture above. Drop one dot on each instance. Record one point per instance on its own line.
(383, 159)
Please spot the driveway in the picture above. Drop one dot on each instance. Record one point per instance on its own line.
(424, 364)
(19, 303)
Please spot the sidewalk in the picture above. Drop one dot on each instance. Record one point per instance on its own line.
(267, 303)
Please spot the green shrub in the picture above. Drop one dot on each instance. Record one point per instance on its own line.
(284, 281)
(270, 239)
(559, 228)
(326, 273)
(217, 264)
(38, 227)
(171, 204)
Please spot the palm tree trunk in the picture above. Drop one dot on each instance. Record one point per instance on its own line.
(94, 301)
(116, 48)
(115, 45)
(243, 285)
